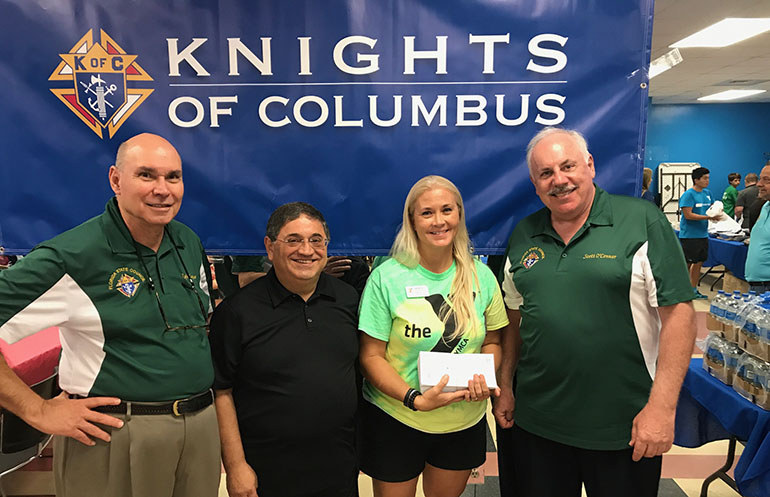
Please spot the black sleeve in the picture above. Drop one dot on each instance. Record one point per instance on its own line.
(357, 275)
(226, 349)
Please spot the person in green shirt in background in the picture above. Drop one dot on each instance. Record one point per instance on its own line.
(731, 194)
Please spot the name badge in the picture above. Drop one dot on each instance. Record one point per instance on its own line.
(418, 291)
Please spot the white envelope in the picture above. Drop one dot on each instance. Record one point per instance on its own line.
(431, 366)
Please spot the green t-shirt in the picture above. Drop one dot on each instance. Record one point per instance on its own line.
(412, 324)
(728, 200)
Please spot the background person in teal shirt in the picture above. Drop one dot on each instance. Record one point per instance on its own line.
(757, 267)
(694, 223)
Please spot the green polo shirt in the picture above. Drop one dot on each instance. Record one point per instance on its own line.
(590, 326)
(90, 282)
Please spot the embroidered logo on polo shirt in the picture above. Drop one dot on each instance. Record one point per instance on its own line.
(126, 280)
(532, 256)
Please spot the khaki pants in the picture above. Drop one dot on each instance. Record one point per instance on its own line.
(150, 456)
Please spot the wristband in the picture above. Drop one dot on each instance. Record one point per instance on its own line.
(411, 394)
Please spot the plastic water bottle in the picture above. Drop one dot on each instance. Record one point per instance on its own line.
(762, 386)
(732, 354)
(744, 308)
(763, 330)
(717, 307)
(743, 383)
(752, 321)
(731, 309)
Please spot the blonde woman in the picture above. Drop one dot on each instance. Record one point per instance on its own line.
(430, 295)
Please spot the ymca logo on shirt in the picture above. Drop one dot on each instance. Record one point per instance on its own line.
(705, 204)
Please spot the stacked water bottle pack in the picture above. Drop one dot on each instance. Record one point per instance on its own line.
(738, 348)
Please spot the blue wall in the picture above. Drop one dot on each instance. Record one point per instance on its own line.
(725, 138)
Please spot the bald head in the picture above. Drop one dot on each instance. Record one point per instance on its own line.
(146, 142)
(147, 181)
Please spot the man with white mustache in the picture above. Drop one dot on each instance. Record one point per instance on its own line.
(601, 333)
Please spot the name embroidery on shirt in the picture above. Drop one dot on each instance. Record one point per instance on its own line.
(600, 256)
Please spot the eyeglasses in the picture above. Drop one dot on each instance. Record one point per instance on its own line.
(188, 283)
(314, 241)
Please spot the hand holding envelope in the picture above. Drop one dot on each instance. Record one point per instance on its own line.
(472, 375)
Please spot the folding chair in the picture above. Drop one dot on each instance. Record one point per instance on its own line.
(19, 442)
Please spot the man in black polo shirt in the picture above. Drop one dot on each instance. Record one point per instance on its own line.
(284, 351)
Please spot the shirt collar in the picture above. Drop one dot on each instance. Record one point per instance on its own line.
(120, 239)
(600, 215)
(279, 293)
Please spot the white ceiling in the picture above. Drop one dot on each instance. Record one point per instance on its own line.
(744, 65)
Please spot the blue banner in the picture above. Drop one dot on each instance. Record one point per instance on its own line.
(343, 104)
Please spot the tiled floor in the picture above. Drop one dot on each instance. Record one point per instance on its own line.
(683, 469)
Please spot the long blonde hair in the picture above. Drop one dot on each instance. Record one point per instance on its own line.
(405, 250)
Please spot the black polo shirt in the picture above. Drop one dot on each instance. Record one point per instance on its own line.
(291, 365)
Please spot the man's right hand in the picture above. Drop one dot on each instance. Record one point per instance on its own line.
(502, 407)
(74, 417)
(434, 398)
(242, 481)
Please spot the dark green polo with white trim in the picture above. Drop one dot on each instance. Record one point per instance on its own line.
(590, 327)
(90, 282)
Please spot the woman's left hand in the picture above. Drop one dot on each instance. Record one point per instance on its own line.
(478, 389)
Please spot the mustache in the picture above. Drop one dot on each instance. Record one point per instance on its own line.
(561, 189)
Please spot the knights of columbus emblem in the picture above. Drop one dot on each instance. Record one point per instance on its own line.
(98, 94)
(127, 285)
(532, 256)
(531, 260)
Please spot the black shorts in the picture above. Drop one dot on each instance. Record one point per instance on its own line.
(394, 452)
(695, 249)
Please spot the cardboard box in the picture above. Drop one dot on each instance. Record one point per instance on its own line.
(712, 324)
(731, 283)
(731, 334)
(750, 344)
(716, 368)
(431, 366)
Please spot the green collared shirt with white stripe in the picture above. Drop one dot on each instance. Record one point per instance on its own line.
(590, 326)
(90, 283)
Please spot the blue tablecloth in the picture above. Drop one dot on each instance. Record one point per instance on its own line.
(731, 255)
(710, 410)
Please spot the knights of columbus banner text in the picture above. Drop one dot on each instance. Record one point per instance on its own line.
(343, 104)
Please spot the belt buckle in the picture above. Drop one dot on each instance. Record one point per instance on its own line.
(175, 407)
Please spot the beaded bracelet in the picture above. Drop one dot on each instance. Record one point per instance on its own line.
(409, 398)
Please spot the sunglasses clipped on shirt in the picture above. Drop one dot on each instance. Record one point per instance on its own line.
(187, 283)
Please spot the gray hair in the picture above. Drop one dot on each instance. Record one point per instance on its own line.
(289, 212)
(550, 130)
